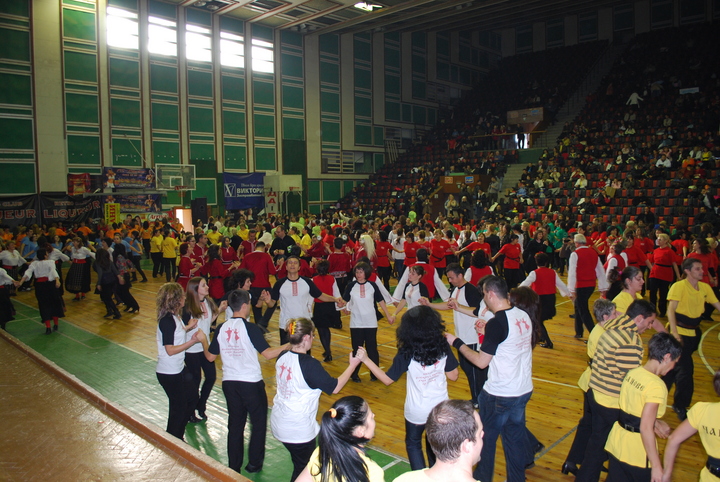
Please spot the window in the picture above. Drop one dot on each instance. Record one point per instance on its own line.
(162, 36)
(122, 28)
(198, 43)
(232, 50)
(262, 56)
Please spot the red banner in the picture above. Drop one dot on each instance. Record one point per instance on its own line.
(78, 184)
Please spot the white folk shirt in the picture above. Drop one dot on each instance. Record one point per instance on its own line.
(203, 324)
(296, 298)
(508, 338)
(238, 342)
(465, 324)
(41, 269)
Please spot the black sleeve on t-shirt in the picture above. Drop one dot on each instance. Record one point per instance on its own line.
(167, 329)
(472, 295)
(424, 290)
(275, 292)
(214, 347)
(315, 375)
(378, 295)
(496, 332)
(451, 363)
(256, 337)
(400, 365)
(348, 290)
(315, 292)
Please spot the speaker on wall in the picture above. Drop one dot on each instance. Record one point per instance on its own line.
(199, 209)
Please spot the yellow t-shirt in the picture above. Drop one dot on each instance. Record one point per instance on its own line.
(691, 301)
(243, 233)
(155, 244)
(639, 387)
(623, 300)
(305, 241)
(595, 334)
(375, 472)
(704, 418)
(169, 246)
(214, 237)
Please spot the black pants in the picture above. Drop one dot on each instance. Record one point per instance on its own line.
(258, 317)
(157, 264)
(199, 365)
(366, 337)
(123, 292)
(582, 311)
(602, 422)
(513, 277)
(169, 268)
(621, 472)
(476, 376)
(324, 335)
(662, 287)
(243, 399)
(384, 273)
(138, 269)
(146, 247)
(300, 455)
(106, 295)
(177, 387)
(682, 374)
(582, 434)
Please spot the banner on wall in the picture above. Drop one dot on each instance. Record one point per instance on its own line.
(136, 203)
(19, 211)
(69, 209)
(118, 177)
(244, 191)
(78, 184)
(271, 203)
(112, 213)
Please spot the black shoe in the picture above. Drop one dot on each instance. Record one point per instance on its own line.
(108, 315)
(55, 327)
(127, 308)
(680, 412)
(201, 415)
(133, 311)
(194, 419)
(356, 379)
(604, 469)
(48, 331)
(547, 345)
(328, 358)
(117, 316)
(253, 468)
(572, 316)
(578, 336)
(373, 378)
(144, 280)
(539, 447)
(569, 468)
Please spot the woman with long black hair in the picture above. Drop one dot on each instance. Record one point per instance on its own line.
(345, 430)
(124, 267)
(428, 360)
(108, 277)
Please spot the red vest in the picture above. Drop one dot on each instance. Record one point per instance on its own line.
(544, 281)
(620, 262)
(586, 264)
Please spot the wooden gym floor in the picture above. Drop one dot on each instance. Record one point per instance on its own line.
(117, 358)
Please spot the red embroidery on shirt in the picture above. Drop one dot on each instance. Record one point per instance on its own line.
(362, 291)
(294, 289)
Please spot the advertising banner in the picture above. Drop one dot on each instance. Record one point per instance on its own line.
(69, 209)
(19, 211)
(118, 177)
(78, 184)
(271, 203)
(136, 203)
(112, 213)
(244, 191)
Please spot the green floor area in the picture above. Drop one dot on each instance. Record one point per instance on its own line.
(128, 378)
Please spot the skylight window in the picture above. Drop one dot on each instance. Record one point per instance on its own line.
(198, 43)
(232, 50)
(262, 56)
(122, 29)
(162, 36)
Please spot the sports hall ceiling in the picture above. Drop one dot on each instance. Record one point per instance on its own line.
(342, 16)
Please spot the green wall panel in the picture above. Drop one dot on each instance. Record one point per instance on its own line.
(348, 186)
(264, 125)
(262, 32)
(19, 8)
(363, 79)
(127, 4)
(172, 198)
(406, 113)
(156, 7)
(83, 149)
(291, 38)
(199, 17)
(292, 65)
(330, 102)
(17, 134)
(231, 24)
(125, 112)
(392, 57)
(363, 50)
(81, 107)
(203, 152)
(200, 119)
(363, 135)
(378, 161)
(293, 128)
(265, 159)
(363, 106)
(163, 78)
(233, 88)
(419, 114)
(293, 97)
(431, 117)
(315, 208)
(392, 111)
(206, 188)
(329, 44)
(124, 73)
(166, 152)
(125, 152)
(294, 157)
(330, 131)
(392, 84)
(418, 64)
(165, 116)
(235, 157)
(78, 24)
(80, 66)
(418, 89)
(313, 191)
(233, 123)
(263, 93)
(331, 191)
(22, 180)
(15, 44)
(16, 89)
(378, 136)
(329, 73)
(200, 83)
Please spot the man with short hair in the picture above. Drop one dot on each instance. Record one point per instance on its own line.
(280, 244)
(584, 271)
(260, 263)
(235, 341)
(686, 304)
(455, 433)
(619, 350)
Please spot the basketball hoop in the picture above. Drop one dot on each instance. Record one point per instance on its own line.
(182, 188)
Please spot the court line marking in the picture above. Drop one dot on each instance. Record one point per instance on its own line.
(700, 347)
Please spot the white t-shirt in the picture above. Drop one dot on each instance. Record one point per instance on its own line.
(236, 341)
(203, 324)
(363, 297)
(296, 298)
(170, 331)
(466, 295)
(508, 338)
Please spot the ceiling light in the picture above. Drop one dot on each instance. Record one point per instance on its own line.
(366, 6)
(200, 3)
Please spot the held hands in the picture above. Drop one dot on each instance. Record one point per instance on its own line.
(450, 338)
(355, 360)
(480, 326)
(199, 336)
(360, 355)
(424, 301)
(452, 304)
(340, 302)
(191, 324)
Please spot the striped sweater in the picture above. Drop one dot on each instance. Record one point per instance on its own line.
(619, 350)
